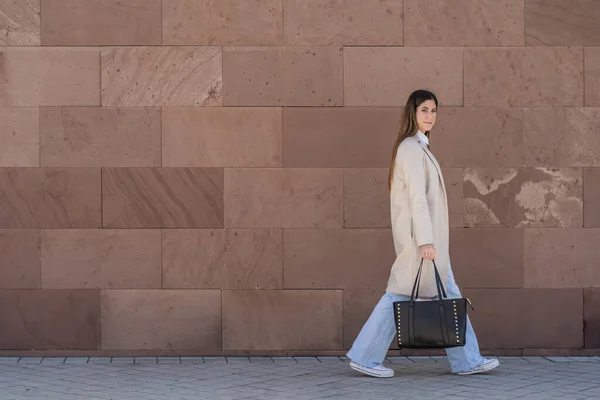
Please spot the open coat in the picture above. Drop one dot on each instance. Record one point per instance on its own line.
(419, 208)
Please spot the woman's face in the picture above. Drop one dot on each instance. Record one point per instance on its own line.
(426, 113)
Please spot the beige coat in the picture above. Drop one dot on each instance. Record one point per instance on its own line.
(419, 209)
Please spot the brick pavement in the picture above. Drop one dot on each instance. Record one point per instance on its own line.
(298, 378)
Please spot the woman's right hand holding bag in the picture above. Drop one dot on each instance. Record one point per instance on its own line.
(428, 252)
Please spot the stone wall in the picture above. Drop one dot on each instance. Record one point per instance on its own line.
(209, 177)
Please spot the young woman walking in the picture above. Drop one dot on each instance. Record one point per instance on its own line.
(419, 210)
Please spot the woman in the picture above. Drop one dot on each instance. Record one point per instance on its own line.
(419, 209)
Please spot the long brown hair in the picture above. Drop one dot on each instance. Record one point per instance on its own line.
(408, 123)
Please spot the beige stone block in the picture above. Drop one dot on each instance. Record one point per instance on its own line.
(478, 137)
(283, 198)
(528, 77)
(487, 257)
(19, 137)
(591, 303)
(50, 198)
(282, 320)
(101, 259)
(527, 318)
(337, 259)
(592, 76)
(161, 319)
(101, 22)
(344, 22)
(222, 259)
(562, 137)
(562, 23)
(162, 197)
(223, 22)
(50, 319)
(20, 23)
(464, 23)
(100, 137)
(386, 76)
(58, 76)
(222, 137)
(161, 76)
(562, 258)
(20, 259)
(283, 76)
(367, 198)
(339, 137)
(591, 197)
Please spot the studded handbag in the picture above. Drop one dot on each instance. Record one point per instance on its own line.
(438, 323)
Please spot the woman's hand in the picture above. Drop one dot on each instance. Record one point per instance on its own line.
(428, 251)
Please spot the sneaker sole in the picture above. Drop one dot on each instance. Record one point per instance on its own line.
(487, 368)
(365, 371)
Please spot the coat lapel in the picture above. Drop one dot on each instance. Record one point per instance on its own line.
(437, 166)
(434, 161)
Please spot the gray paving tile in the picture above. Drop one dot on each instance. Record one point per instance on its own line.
(284, 360)
(330, 360)
(422, 360)
(307, 360)
(53, 360)
(514, 360)
(540, 360)
(122, 360)
(99, 360)
(145, 360)
(559, 359)
(400, 360)
(236, 360)
(261, 360)
(30, 360)
(585, 359)
(287, 378)
(200, 360)
(76, 360)
(169, 360)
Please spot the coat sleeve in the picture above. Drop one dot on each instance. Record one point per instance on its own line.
(412, 164)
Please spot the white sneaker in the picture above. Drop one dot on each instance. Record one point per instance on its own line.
(488, 365)
(378, 372)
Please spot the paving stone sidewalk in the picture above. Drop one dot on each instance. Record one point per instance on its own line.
(297, 378)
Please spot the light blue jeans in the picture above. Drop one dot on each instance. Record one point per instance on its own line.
(373, 341)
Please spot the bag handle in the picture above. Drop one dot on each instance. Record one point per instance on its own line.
(438, 283)
(417, 281)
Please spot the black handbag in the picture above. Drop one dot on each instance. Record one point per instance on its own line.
(437, 324)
